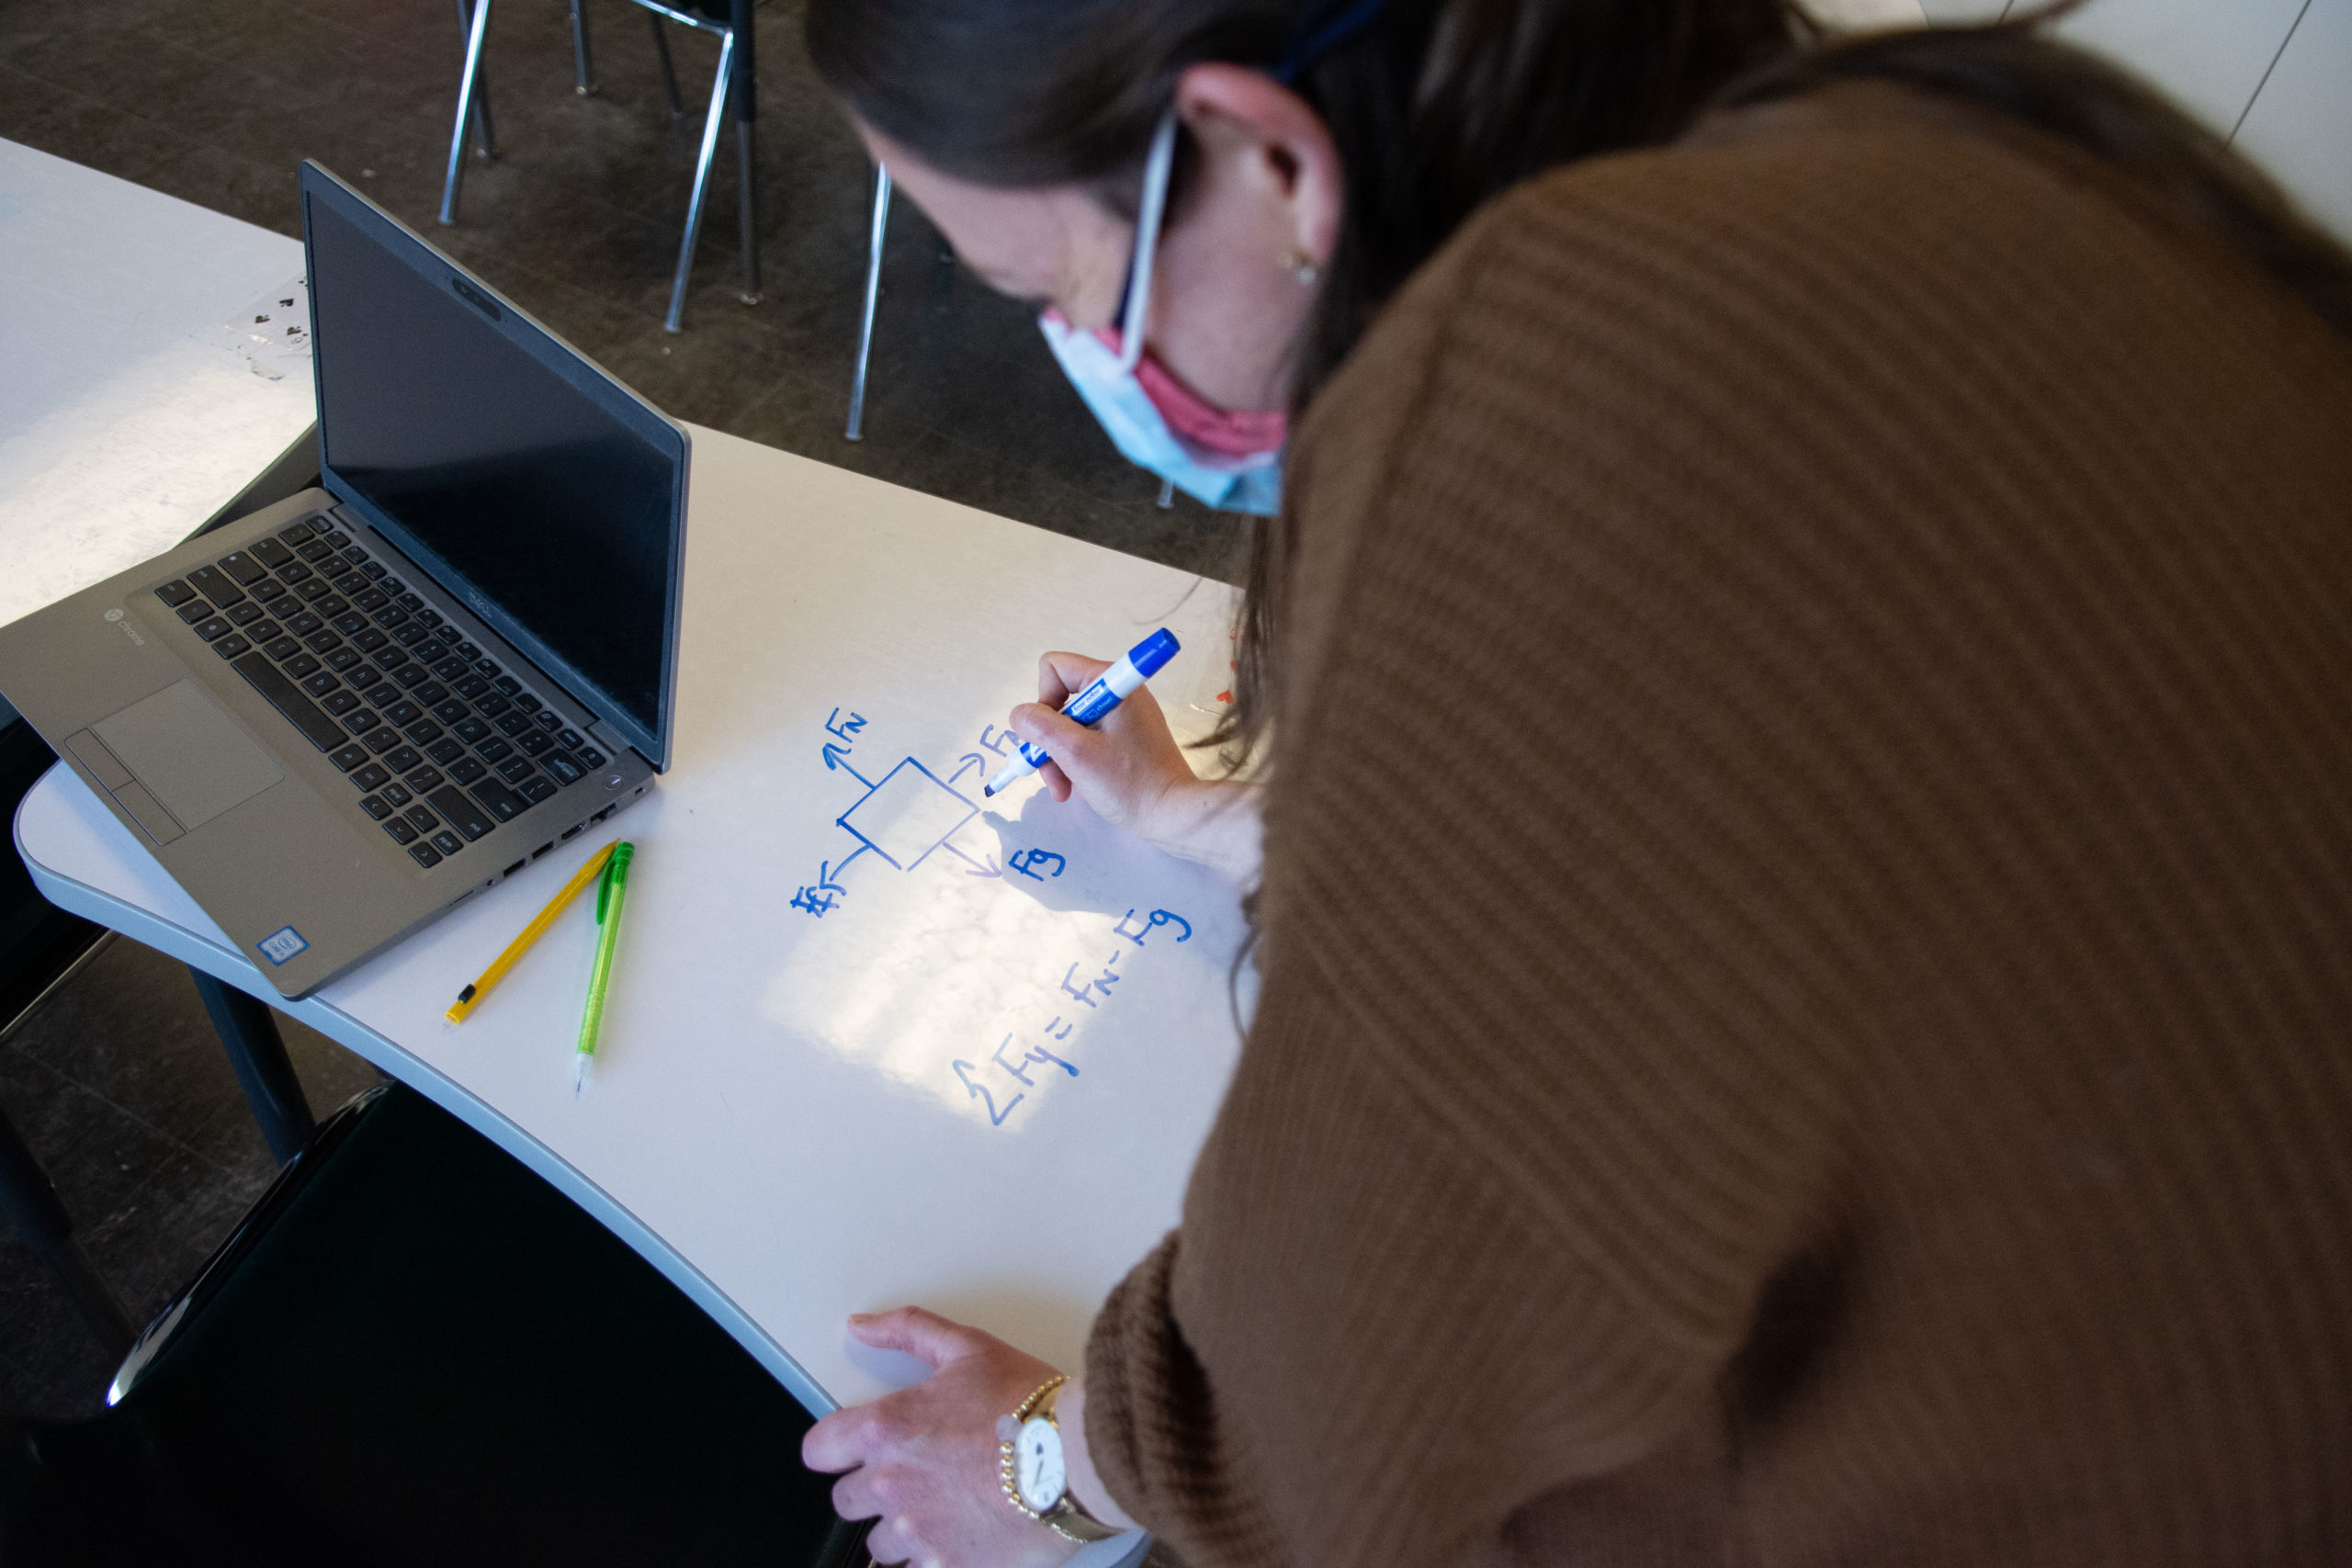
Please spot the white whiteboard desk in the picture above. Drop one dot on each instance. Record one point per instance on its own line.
(130, 412)
(778, 1120)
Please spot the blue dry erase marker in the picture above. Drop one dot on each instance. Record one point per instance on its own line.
(1111, 688)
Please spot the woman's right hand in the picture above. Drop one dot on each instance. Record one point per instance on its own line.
(1130, 769)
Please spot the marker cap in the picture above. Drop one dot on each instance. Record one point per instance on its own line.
(1152, 654)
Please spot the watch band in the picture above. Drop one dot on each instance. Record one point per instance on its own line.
(1064, 1518)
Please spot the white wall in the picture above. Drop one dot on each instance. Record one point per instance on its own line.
(2274, 74)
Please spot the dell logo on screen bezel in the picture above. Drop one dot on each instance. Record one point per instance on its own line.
(475, 298)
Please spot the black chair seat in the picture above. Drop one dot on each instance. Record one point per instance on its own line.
(415, 1350)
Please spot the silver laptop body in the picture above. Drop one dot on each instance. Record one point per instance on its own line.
(335, 719)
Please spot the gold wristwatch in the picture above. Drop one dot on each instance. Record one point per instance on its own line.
(1036, 1479)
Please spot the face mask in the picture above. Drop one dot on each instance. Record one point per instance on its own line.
(1229, 460)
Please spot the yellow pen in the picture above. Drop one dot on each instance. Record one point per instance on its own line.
(522, 945)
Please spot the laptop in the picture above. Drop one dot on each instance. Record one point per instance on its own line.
(335, 719)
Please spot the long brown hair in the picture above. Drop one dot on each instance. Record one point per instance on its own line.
(1436, 105)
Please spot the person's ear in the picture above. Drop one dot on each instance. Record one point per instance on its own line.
(1235, 111)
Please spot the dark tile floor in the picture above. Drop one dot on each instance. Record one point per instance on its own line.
(119, 1086)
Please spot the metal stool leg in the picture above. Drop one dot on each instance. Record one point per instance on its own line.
(583, 68)
(745, 93)
(257, 1053)
(669, 72)
(485, 133)
(856, 430)
(711, 123)
(466, 87)
(30, 1201)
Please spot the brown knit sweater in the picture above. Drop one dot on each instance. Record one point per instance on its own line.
(1807, 1008)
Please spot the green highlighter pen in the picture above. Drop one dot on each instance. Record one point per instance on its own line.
(610, 892)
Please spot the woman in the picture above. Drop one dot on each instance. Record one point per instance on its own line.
(1809, 834)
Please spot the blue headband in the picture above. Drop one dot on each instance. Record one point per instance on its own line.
(1319, 32)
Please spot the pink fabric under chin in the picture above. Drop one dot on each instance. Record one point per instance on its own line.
(1194, 417)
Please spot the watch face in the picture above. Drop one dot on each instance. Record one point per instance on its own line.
(1038, 1464)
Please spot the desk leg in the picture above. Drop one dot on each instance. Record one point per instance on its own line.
(250, 1036)
(41, 1222)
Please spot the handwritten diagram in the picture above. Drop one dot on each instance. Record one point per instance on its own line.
(905, 816)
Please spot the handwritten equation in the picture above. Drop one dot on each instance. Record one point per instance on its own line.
(1031, 1067)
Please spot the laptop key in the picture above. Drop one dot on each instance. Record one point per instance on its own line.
(392, 585)
(451, 711)
(422, 818)
(322, 642)
(383, 738)
(429, 616)
(464, 770)
(410, 601)
(572, 738)
(527, 702)
(550, 720)
(450, 668)
(374, 568)
(412, 634)
(390, 658)
(591, 758)
(403, 712)
(363, 675)
(486, 669)
(244, 614)
(351, 582)
(272, 553)
(538, 740)
(396, 795)
(376, 805)
(341, 659)
(411, 675)
(287, 699)
(195, 610)
(375, 775)
(537, 788)
(244, 568)
(472, 686)
(281, 648)
(469, 652)
(352, 756)
(515, 723)
(447, 842)
(495, 751)
(390, 616)
(446, 750)
(331, 565)
(314, 589)
(302, 666)
(492, 705)
(265, 630)
(175, 593)
(515, 770)
(367, 640)
(339, 703)
(429, 652)
(349, 622)
(268, 589)
(363, 721)
(331, 607)
(338, 538)
(400, 830)
(564, 766)
(293, 571)
(297, 534)
(432, 695)
(461, 813)
(213, 629)
(502, 802)
(216, 585)
(404, 759)
(471, 731)
(314, 550)
(425, 856)
(304, 623)
(230, 647)
(423, 779)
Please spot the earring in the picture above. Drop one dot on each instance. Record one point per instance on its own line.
(1301, 266)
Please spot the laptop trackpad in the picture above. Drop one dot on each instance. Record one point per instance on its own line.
(190, 754)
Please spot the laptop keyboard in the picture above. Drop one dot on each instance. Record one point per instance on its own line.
(442, 744)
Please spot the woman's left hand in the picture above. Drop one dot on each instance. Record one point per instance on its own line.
(925, 1461)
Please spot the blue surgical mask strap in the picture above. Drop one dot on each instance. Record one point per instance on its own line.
(1156, 169)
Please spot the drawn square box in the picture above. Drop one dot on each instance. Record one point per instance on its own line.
(909, 813)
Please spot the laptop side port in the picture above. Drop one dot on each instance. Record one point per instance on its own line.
(543, 849)
(571, 832)
(515, 867)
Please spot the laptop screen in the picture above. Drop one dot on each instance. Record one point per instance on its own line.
(535, 487)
